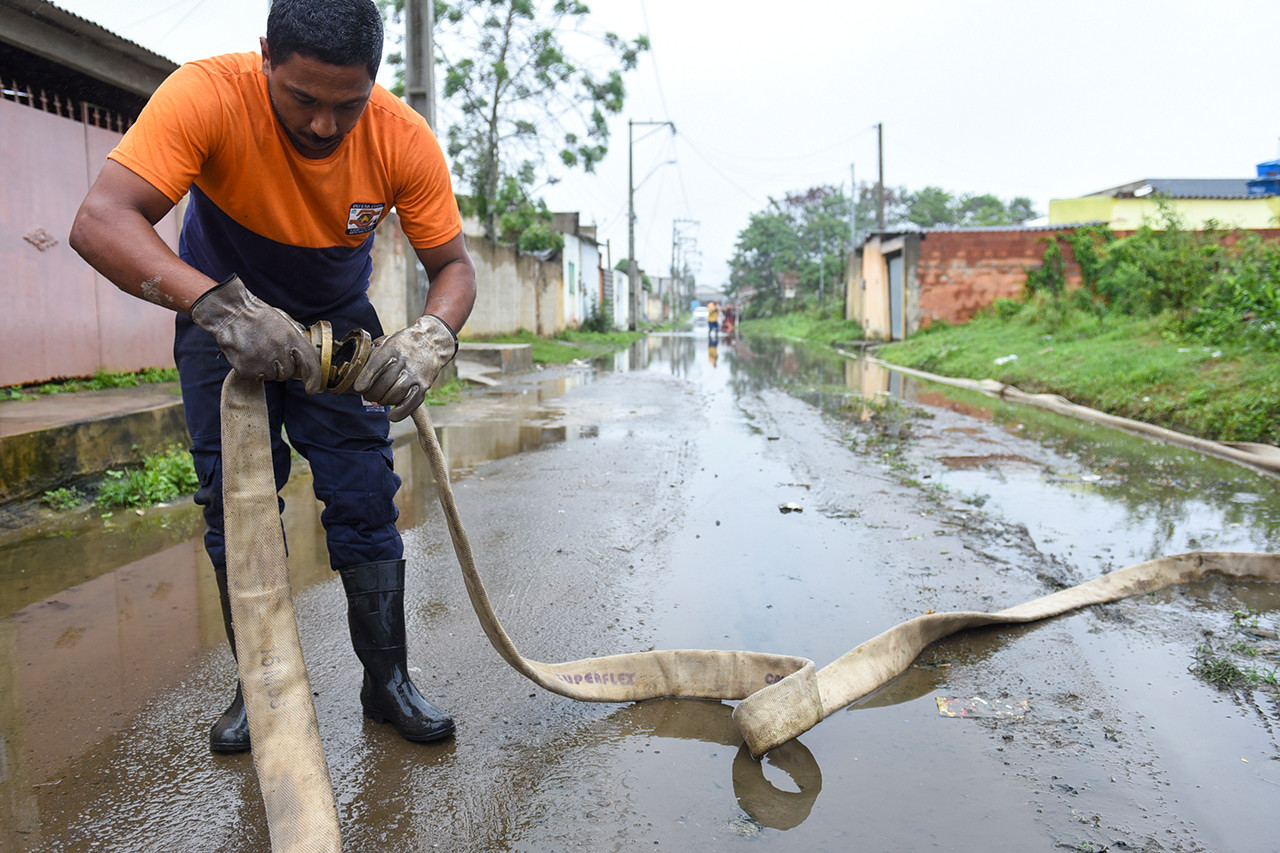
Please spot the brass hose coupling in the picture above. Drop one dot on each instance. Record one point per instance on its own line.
(340, 365)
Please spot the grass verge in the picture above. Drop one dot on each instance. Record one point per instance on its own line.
(100, 380)
(1124, 365)
(570, 345)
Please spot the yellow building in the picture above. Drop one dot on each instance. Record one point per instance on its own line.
(1226, 201)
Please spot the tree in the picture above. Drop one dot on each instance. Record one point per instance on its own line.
(934, 207)
(521, 102)
(799, 242)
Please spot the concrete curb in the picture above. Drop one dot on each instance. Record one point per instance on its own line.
(102, 436)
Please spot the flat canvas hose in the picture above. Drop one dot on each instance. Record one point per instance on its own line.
(287, 754)
(781, 696)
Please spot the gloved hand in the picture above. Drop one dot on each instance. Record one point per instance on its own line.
(260, 341)
(403, 365)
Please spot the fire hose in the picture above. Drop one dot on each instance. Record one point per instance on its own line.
(779, 696)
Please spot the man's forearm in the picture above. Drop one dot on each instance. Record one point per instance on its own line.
(114, 231)
(126, 249)
(453, 294)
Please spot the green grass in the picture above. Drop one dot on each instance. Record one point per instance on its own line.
(1129, 366)
(570, 345)
(817, 326)
(449, 392)
(100, 380)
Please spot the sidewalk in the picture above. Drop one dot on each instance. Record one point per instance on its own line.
(61, 439)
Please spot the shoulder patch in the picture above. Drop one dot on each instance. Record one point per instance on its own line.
(363, 218)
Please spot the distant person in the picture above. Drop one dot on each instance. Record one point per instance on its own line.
(713, 319)
(290, 159)
(726, 323)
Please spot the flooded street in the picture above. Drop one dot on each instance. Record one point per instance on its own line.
(639, 504)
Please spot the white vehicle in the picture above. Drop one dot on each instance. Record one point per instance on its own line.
(700, 315)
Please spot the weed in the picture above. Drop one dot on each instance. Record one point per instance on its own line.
(63, 499)
(162, 477)
(446, 393)
(1245, 618)
(1224, 673)
(99, 381)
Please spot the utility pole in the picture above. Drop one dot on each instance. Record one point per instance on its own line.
(880, 185)
(853, 209)
(419, 64)
(677, 263)
(420, 88)
(633, 286)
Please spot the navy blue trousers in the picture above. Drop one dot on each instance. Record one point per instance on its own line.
(345, 441)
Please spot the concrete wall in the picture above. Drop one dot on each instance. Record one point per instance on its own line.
(870, 306)
(1128, 214)
(60, 318)
(514, 291)
(621, 299)
(573, 299)
(873, 299)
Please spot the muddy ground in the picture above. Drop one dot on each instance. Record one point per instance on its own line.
(636, 505)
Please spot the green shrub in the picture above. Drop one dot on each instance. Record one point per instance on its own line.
(162, 477)
(63, 499)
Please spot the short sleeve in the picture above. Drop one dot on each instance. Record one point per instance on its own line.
(175, 133)
(424, 193)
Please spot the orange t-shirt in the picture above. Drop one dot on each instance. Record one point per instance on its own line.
(297, 231)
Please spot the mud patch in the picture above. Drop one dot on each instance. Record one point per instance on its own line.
(990, 460)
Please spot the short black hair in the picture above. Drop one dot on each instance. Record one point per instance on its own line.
(339, 32)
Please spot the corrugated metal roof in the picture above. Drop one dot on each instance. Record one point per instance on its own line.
(973, 229)
(981, 228)
(47, 31)
(1188, 188)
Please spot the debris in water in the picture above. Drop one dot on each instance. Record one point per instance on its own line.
(979, 707)
(790, 507)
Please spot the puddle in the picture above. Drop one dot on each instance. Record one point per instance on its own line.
(102, 610)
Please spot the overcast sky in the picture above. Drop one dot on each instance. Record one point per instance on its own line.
(1013, 98)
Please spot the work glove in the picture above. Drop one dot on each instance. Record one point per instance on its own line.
(403, 365)
(260, 341)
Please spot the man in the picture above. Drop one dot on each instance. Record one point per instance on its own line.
(291, 159)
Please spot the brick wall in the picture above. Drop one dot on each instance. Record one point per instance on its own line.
(961, 272)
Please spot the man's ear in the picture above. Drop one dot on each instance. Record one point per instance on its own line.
(266, 54)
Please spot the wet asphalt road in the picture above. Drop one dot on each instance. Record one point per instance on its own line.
(637, 507)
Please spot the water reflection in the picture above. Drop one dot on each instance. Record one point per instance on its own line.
(1160, 499)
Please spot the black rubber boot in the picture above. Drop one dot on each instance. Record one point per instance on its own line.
(375, 611)
(231, 732)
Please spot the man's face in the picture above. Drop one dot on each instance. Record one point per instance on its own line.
(316, 103)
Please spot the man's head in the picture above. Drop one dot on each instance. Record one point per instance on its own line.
(320, 58)
(336, 32)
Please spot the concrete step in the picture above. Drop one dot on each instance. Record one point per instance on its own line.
(506, 359)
